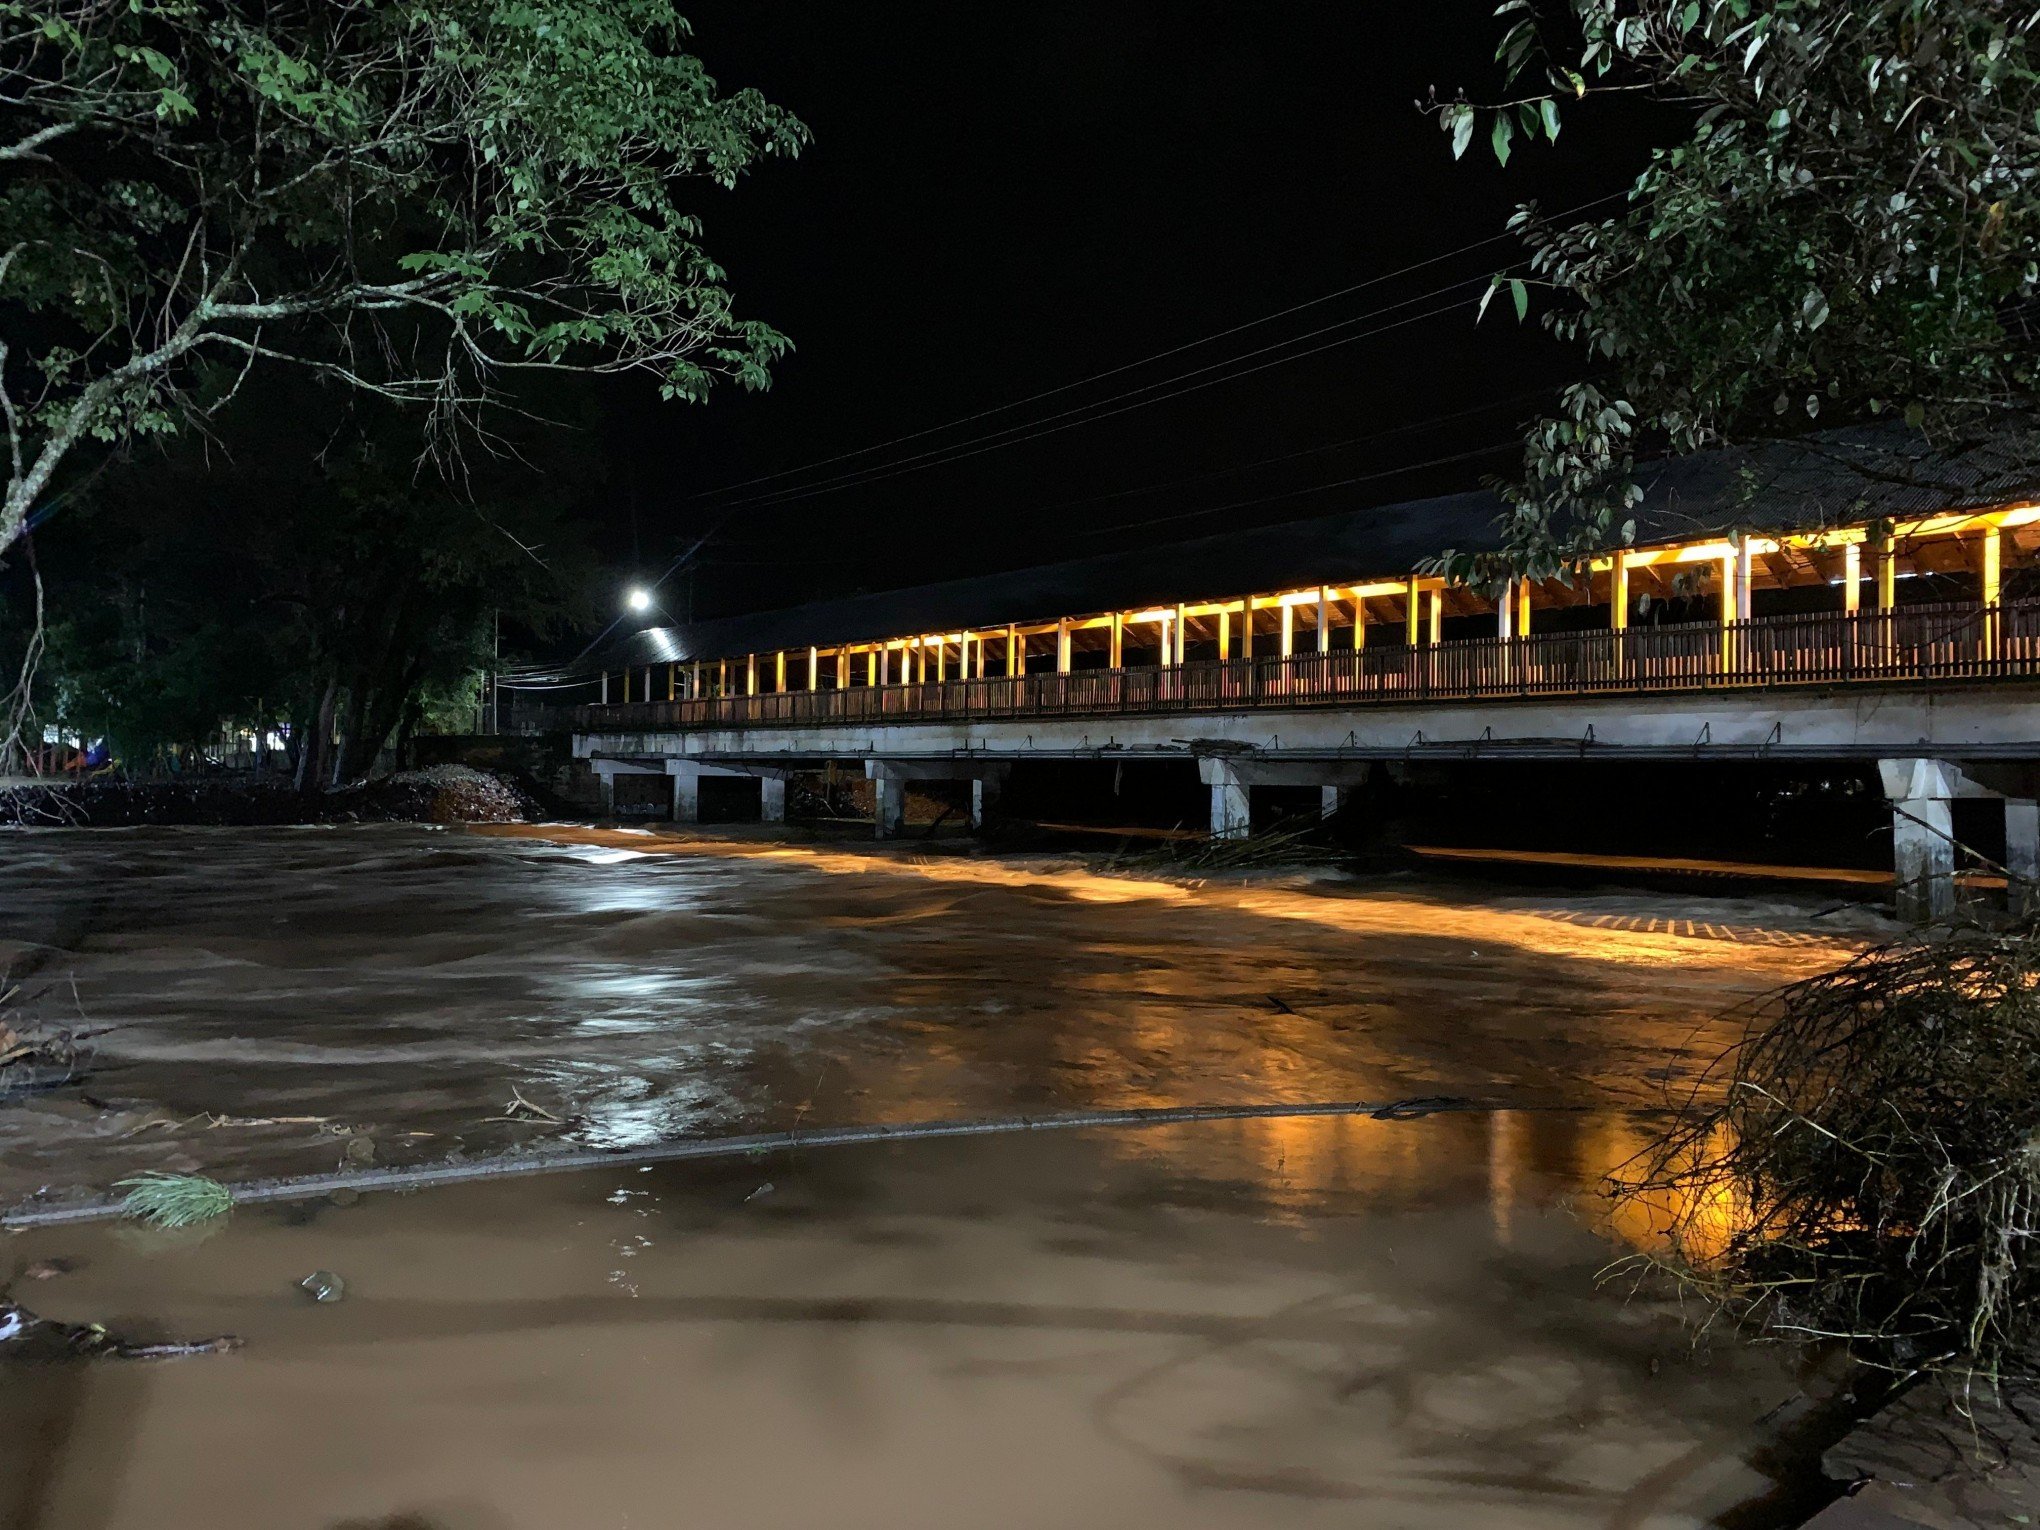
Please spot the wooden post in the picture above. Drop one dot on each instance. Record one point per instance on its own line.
(1247, 628)
(1522, 608)
(1729, 613)
(779, 670)
(1993, 588)
(1182, 632)
(1413, 613)
(814, 668)
(1852, 578)
(1437, 615)
(1359, 623)
(1288, 629)
(1224, 633)
(1118, 641)
(1324, 620)
(1016, 661)
(1062, 646)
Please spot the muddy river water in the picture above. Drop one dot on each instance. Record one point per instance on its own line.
(1340, 1321)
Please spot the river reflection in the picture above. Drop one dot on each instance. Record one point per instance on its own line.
(406, 984)
(1267, 1324)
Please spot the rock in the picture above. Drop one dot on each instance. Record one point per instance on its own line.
(360, 1150)
(323, 1286)
(344, 1197)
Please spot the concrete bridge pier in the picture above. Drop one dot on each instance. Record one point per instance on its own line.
(1922, 793)
(1233, 779)
(606, 772)
(2022, 853)
(889, 780)
(687, 776)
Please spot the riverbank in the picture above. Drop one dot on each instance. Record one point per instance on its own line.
(438, 794)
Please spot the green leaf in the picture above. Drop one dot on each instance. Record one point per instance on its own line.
(1504, 130)
(1550, 110)
(1459, 122)
(1521, 294)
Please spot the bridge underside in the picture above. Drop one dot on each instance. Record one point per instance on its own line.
(1933, 744)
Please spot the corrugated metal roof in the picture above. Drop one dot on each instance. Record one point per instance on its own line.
(1842, 478)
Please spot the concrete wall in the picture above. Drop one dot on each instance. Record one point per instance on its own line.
(1856, 722)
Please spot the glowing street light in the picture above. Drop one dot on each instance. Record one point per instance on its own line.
(639, 599)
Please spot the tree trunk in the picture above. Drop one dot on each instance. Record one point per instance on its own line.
(316, 756)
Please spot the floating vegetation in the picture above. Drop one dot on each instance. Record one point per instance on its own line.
(1865, 1166)
(1297, 841)
(174, 1200)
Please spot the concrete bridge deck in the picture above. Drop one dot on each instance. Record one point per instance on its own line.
(1946, 699)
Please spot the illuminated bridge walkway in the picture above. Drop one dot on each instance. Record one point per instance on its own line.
(1319, 685)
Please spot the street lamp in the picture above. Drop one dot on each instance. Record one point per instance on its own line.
(639, 599)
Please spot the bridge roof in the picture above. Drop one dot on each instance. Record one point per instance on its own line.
(1844, 478)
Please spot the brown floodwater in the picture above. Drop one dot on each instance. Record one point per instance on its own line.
(1269, 1322)
(1316, 1323)
(406, 984)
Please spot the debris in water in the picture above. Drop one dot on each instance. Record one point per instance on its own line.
(344, 1197)
(39, 1338)
(174, 1200)
(760, 1193)
(35, 1062)
(519, 1108)
(360, 1150)
(49, 1269)
(323, 1286)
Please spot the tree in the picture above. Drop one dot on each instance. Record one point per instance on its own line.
(411, 197)
(200, 589)
(1840, 229)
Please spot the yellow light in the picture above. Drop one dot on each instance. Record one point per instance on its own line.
(1715, 549)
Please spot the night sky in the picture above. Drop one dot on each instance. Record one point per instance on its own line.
(1001, 201)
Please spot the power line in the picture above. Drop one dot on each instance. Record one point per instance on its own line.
(1407, 428)
(954, 449)
(790, 496)
(1316, 488)
(1309, 451)
(1175, 350)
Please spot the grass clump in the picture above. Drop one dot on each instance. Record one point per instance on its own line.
(1865, 1166)
(174, 1200)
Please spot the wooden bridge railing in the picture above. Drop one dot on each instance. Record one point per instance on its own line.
(1908, 643)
